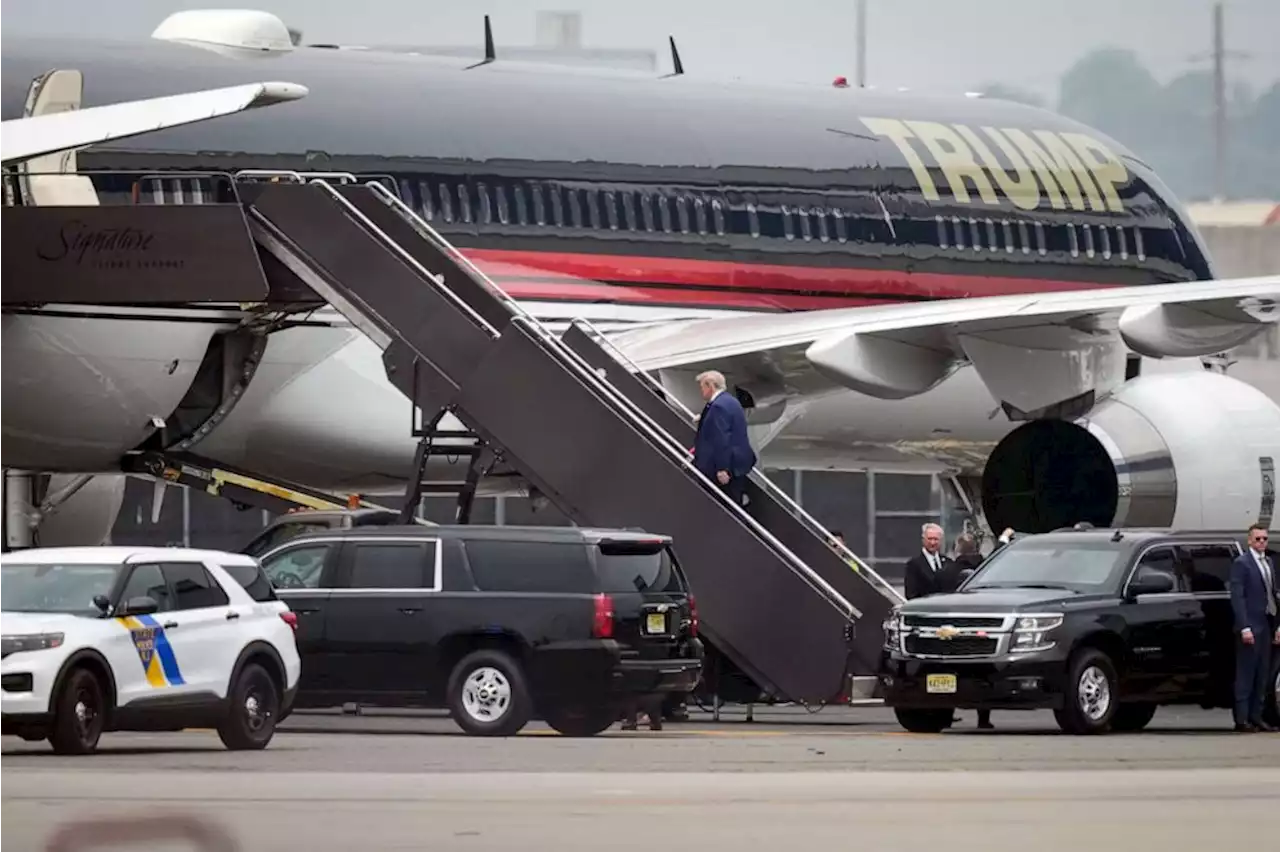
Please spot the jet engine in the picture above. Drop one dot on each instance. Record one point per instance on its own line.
(1193, 450)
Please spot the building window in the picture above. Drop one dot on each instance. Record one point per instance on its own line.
(717, 216)
(464, 202)
(1122, 242)
(1073, 241)
(1088, 240)
(593, 208)
(958, 231)
(425, 207)
(1024, 238)
(446, 203)
(991, 235)
(629, 210)
(611, 209)
(1007, 229)
(646, 208)
(1105, 233)
(486, 206)
(841, 234)
(682, 213)
(1137, 244)
(700, 215)
(975, 236)
(1041, 245)
(753, 216)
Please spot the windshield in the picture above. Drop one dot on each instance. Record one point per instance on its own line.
(55, 588)
(1071, 565)
(638, 572)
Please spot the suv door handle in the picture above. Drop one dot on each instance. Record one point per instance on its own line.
(170, 625)
(231, 616)
(410, 610)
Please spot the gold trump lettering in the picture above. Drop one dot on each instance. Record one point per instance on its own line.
(1027, 166)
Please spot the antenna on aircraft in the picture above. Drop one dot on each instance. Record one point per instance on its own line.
(675, 60)
(489, 53)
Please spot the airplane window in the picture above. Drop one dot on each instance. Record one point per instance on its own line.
(504, 212)
(700, 214)
(1088, 240)
(1040, 241)
(958, 231)
(942, 232)
(717, 216)
(1024, 238)
(975, 237)
(1106, 242)
(464, 203)
(842, 235)
(593, 208)
(682, 213)
(1137, 244)
(1073, 240)
(753, 215)
(991, 235)
(446, 203)
(486, 206)
(629, 210)
(1008, 234)
(821, 216)
(426, 209)
(1123, 243)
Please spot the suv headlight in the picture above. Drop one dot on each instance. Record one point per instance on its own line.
(1030, 633)
(34, 642)
(892, 625)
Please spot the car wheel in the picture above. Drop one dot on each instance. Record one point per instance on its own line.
(254, 707)
(488, 696)
(581, 721)
(1133, 717)
(1092, 695)
(80, 714)
(924, 721)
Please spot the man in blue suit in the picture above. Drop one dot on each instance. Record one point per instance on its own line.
(1254, 604)
(722, 451)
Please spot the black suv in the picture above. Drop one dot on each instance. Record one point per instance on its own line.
(496, 623)
(1101, 626)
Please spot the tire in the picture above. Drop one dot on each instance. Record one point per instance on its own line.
(1130, 718)
(254, 709)
(924, 721)
(487, 695)
(581, 721)
(80, 714)
(1091, 699)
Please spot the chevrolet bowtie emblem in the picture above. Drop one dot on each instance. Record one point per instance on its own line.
(947, 632)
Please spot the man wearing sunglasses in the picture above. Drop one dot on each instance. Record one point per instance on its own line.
(1255, 601)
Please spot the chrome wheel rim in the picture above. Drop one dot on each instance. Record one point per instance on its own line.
(257, 713)
(486, 694)
(1094, 694)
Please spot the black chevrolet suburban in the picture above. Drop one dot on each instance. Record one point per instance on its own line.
(1101, 626)
(498, 624)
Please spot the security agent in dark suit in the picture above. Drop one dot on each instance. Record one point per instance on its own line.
(928, 571)
(967, 560)
(1255, 602)
(722, 450)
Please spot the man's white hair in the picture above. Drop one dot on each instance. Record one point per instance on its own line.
(715, 377)
(924, 530)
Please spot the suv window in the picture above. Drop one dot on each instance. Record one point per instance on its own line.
(1207, 567)
(279, 535)
(253, 580)
(1161, 560)
(638, 572)
(297, 568)
(192, 586)
(147, 581)
(394, 565)
(529, 566)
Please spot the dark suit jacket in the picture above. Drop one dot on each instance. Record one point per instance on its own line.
(921, 580)
(722, 442)
(1249, 595)
(951, 575)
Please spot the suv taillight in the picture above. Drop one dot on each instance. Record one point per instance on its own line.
(290, 618)
(602, 619)
(693, 616)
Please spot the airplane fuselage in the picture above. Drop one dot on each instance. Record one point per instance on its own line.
(620, 199)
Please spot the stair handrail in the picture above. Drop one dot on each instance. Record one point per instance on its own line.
(655, 432)
(758, 475)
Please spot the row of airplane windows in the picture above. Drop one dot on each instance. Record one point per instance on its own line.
(546, 204)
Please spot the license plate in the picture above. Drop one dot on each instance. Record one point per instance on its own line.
(655, 622)
(938, 683)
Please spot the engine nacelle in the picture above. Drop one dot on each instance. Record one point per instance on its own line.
(1192, 450)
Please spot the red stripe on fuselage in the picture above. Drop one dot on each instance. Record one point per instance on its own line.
(731, 284)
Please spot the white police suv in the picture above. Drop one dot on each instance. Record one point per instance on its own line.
(142, 639)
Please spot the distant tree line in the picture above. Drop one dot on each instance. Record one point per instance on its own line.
(1170, 126)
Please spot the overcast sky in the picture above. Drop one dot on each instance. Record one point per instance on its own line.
(922, 44)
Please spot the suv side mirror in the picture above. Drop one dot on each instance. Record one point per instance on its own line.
(1151, 583)
(141, 605)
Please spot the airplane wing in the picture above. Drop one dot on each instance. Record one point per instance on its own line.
(27, 138)
(1032, 351)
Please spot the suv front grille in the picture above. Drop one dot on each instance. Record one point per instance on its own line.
(974, 621)
(960, 646)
